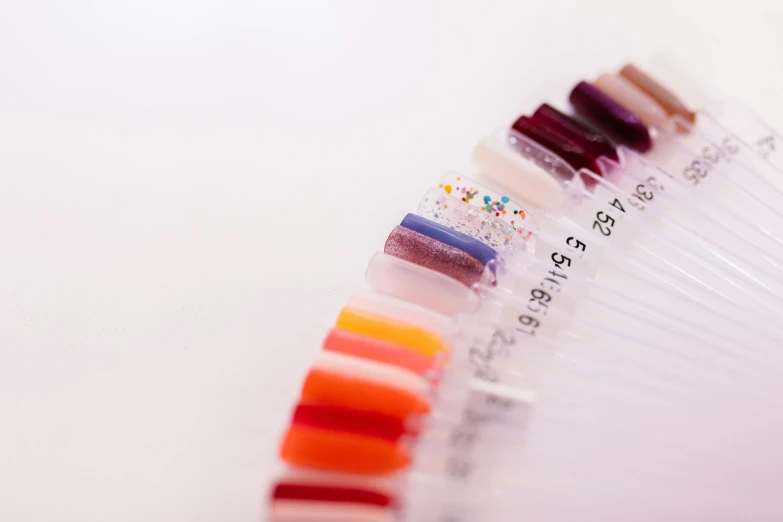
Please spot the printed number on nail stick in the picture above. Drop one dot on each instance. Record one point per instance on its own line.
(604, 222)
(765, 146)
(482, 357)
(464, 436)
(711, 154)
(730, 145)
(696, 171)
(641, 197)
(539, 301)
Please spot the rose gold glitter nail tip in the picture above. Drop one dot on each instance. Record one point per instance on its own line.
(427, 252)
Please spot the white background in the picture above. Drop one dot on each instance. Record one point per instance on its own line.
(189, 190)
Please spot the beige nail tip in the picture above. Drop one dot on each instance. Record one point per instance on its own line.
(520, 177)
(670, 102)
(309, 511)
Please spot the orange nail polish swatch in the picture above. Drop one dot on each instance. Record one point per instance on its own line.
(413, 337)
(339, 451)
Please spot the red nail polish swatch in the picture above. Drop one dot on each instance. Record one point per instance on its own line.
(619, 123)
(593, 141)
(567, 149)
(313, 493)
(371, 424)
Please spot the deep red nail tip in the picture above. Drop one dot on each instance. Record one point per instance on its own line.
(320, 493)
(619, 123)
(372, 424)
(590, 139)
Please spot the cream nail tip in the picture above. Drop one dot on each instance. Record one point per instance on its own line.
(522, 178)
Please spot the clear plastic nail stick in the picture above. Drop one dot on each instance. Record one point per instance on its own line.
(543, 278)
(730, 122)
(595, 214)
(547, 308)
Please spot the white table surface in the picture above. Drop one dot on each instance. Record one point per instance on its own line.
(189, 190)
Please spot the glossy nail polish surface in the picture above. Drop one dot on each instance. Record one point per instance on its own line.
(500, 205)
(419, 284)
(665, 98)
(307, 476)
(482, 226)
(397, 332)
(593, 141)
(380, 351)
(339, 451)
(378, 372)
(449, 236)
(618, 122)
(517, 173)
(637, 101)
(395, 309)
(361, 393)
(313, 492)
(369, 423)
(558, 144)
(446, 259)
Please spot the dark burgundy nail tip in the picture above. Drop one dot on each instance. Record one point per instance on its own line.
(618, 122)
(556, 143)
(596, 143)
(372, 424)
(317, 493)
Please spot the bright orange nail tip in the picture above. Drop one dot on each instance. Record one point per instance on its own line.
(413, 337)
(343, 452)
(322, 387)
(377, 350)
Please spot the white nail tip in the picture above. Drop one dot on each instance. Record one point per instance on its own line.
(419, 285)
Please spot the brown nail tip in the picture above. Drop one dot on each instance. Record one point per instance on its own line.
(670, 102)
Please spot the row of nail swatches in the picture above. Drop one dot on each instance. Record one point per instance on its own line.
(586, 327)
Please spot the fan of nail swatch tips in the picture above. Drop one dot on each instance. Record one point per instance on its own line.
(584, 328)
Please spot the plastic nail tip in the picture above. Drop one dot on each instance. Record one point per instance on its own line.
(622, 125)
(380, 351)
(339, 451)
(316, 493)
(522, 178)
(593, 141)
(417, 284)
(297, 511)
(385, 484)
(398, 310)
(495, 203)
(368, 423)
(361, 393)
(444, 234)
(559, 144)
(636, 100)
(372, 325)
(663, 96)
(446, 259)
(381, 373)
(480, 225)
